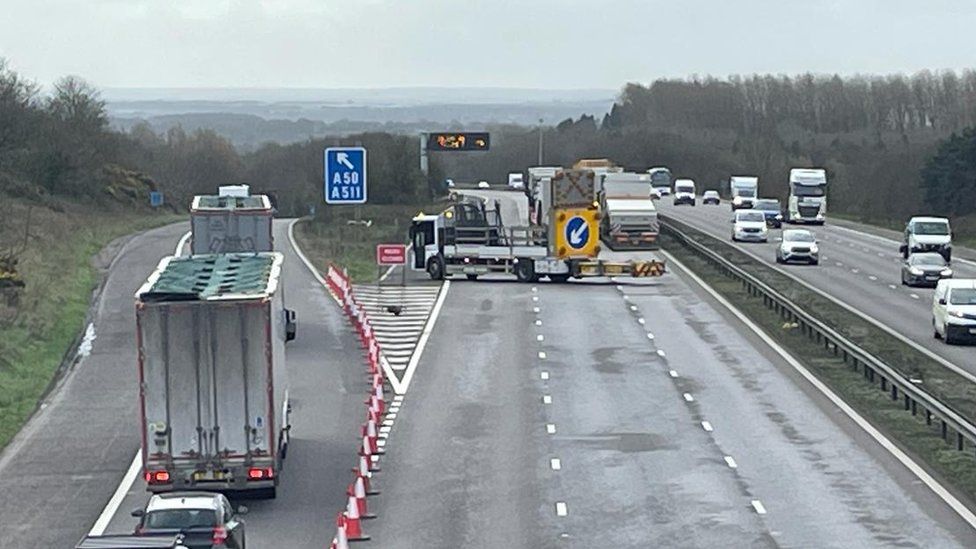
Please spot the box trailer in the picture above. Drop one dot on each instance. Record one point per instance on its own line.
(213, 392)
(231, 222)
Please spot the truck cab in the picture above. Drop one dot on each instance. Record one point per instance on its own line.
(808, 196)
(927, 234)
(744, 190)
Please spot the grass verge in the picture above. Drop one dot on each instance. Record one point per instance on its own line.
(337, 237)
(57, 267)
(910, 432)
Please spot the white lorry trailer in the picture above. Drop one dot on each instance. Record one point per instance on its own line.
(538, 179)
(744, 191)
(213, 392)
(469, 238)
(808, 196)
(231, 221)
(629, 217)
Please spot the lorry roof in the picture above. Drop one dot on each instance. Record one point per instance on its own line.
(213, 277)
(632, 204)
(214, 202)
(925, 219)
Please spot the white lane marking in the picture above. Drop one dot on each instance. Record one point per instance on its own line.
(880, 254)
(626, 297)
(660, 353)
(561, 510)
(688, 397)
(730, 461)
(539, 337)
(535, 310)
(542, 355)
(555, 464)
(855, 271)
(538, 323)
(633, 307)
(758, 506)
(707, 426)
(181, 244)
(402, 386)
(880, 438)
(551, 428)
(892, 286)
(672, 373)
(546, 399)
(640, 321)
(381, 442)
(115, 501)
(535, 289)
(544, 375)
(913, 296)
(620, 288)
(650, 335)
(872, 277)
(535, 298)
(838, 263)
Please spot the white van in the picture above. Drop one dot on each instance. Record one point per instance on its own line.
(954, 310)
(684, 192)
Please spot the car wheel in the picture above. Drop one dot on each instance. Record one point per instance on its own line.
(935, 331)
(471, 276)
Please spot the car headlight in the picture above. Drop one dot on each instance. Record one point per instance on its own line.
(946, 272)
(814, 249)
(764, 229)
(915, 271)
(737, 200)
(779, 217)
(957, 314)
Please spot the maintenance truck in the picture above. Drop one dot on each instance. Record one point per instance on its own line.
(470, 238)
(211, 332)
(629, 218)
(232, 221)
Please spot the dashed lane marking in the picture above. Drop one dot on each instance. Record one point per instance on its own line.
(555, 464)
(707, 426)
(546, 399)
(730, 461)
(758, 506)
(544, 375)
(688, 397)
(913, 296)
(540, 337)
(561, 509)
(660, 353)
(551, 428)
(672, 373)
(542, 355)
(892, 286)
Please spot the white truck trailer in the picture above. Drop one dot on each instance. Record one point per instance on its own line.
(538, 179)
(744, 191)
(808, 196)
(629, 217)
(213, 392)
(232, 221)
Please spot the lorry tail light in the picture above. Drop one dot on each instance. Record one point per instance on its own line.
(219, 535)
(158, 477)
(260, 473)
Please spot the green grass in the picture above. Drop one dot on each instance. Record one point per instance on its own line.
(330, 236)
(57, 267)
(911, 433)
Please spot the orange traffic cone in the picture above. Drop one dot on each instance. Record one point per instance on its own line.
(358, 490)
(354, 526)
(340, 541)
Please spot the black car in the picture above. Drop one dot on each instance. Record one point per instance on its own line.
(204, 519)
(772, 211)
(924, 269)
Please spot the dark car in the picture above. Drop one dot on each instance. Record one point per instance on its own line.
(924, 269)
(206, 520)
(772, 211)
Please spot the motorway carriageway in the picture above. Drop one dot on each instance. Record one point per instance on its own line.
(859, 269)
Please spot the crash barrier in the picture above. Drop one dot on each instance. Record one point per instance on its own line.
(874, 369)
(349, 522)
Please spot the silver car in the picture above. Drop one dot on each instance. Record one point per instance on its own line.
(924, 269)
(798, 245)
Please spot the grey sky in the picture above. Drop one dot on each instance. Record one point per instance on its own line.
(527, 43)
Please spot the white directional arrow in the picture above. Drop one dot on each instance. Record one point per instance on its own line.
(343, 158)
(576, 236)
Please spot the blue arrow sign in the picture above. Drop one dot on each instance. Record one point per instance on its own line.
(345, 175)
(155, 199)
(577, 232)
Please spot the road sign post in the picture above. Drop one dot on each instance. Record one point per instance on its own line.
(345, 175)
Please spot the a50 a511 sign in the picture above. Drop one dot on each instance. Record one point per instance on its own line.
(345, 175)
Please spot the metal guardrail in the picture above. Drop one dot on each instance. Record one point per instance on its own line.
(872, 367)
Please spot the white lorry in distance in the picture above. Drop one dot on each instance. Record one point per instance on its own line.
(927, 234)
(660, 180)
(744, 190)
(808, 196)
(515, 181)
(211, 331)
(537, 182)
(231, 221)
(684, 191)
(629, 219)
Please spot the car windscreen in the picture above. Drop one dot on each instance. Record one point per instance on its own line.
(768, 205)
(801, 190)
(962, 296)
(931, 228)
(927, 259)
(711, 194)
(746, 193)
(750, 216)
(684, 189)
(661, 178)
(179, 519)
(798, 236)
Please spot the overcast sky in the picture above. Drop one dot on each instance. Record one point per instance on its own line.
(506, 43)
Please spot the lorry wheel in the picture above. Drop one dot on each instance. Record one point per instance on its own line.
(525, 270)
(472, 276)
(435, 268)
(559, 278)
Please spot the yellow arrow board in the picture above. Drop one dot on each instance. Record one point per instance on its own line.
(577, 232)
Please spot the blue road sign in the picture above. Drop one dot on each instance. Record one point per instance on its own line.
(345, 175)
(577, 232)
(155, 199)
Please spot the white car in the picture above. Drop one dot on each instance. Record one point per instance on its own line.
(483, 185)
(954, 310)
(798, 245)
(749, 225)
